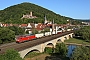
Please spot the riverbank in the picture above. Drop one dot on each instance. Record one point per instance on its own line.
(74, 41)
(46, 56)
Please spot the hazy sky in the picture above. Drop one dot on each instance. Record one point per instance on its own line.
(77, 9)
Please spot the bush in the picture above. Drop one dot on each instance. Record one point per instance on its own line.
(81, 53)
(6, 35)
(61, 49)
(10, 54)
(48, 50)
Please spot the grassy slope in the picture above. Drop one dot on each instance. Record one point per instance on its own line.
(78, 41)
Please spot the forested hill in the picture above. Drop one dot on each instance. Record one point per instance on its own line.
(14, 13)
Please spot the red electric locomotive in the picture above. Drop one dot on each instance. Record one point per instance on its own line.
(23, 38)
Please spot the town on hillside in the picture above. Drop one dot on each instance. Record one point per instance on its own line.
(54, 28)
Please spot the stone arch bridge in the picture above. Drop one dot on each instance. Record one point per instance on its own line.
(51, 43)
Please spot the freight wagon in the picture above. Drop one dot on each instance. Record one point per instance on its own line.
(23, 38)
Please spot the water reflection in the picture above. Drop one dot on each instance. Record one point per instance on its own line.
(70, 49)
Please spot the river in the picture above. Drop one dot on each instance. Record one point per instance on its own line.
(70, 49)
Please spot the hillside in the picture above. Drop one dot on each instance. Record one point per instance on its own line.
(14, 13)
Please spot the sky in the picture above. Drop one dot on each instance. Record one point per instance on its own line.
(77, 9)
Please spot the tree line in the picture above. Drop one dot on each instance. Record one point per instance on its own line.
(7, 34)
(83, 33)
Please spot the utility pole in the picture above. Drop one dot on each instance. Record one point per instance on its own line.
(34, 28)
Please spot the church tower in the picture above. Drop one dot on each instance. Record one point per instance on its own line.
(45, 19)
(53, 25)
(31, 13)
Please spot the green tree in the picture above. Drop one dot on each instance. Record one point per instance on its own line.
(10, 54)
(2, 57)
(34, 31)
(27, 32)
(47, 29)
(0, 41)
(61, 49)
(84, 33)
(17, 30)
(6, 35)
(81, 53)
(48, 50)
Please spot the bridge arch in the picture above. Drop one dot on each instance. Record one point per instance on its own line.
(59, 41)
(26, 51)
(34, 50)
(70, 36)
(65, 38)
(49, 45)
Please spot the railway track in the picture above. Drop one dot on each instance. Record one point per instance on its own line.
(25, 45)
